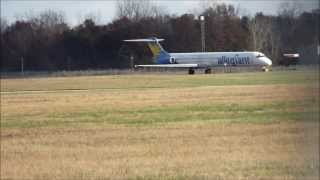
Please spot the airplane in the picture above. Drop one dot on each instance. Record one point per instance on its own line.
(205, 60)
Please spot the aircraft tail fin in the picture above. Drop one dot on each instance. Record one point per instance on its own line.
(159, 54)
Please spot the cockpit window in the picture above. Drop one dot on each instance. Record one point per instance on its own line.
(260, 55)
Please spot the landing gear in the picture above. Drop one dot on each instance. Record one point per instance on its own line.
(207, 71)
(191, 71)
(265, 69)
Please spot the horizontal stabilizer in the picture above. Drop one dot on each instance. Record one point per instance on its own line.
(143, 40)
(169, 65)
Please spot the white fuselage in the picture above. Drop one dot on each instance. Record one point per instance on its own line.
(208, 59)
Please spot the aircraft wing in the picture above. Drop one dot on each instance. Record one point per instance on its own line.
(169, 65)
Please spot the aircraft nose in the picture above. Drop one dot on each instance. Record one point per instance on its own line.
(266, 61)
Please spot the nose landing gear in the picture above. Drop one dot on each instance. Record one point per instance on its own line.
(265, 69)
(191, 71)
(207, 71)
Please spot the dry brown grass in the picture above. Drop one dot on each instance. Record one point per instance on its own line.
(282, 149)
(188, 150)
(14, 104)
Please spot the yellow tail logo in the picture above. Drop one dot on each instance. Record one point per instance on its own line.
(155, 49)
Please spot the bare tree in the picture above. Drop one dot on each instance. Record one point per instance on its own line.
(265, 35)
(133, 9)
(53, 22)
(258, 27)
(21, 38)
(95, 17)
(274, 40)
(158, 11)
(205, 4)
(289, 9)
(49, 21)
(137, 9)
(4, 24)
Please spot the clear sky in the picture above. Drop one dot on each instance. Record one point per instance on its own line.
(76, 10)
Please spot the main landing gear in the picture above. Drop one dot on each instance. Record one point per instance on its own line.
(206, 71)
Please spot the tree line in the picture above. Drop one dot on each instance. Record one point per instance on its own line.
(45, 42)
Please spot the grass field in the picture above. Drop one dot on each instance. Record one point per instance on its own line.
(220, 126)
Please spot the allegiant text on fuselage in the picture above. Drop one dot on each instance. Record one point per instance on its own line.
(233, 60)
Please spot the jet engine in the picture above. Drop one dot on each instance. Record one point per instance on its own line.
(172, 60)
